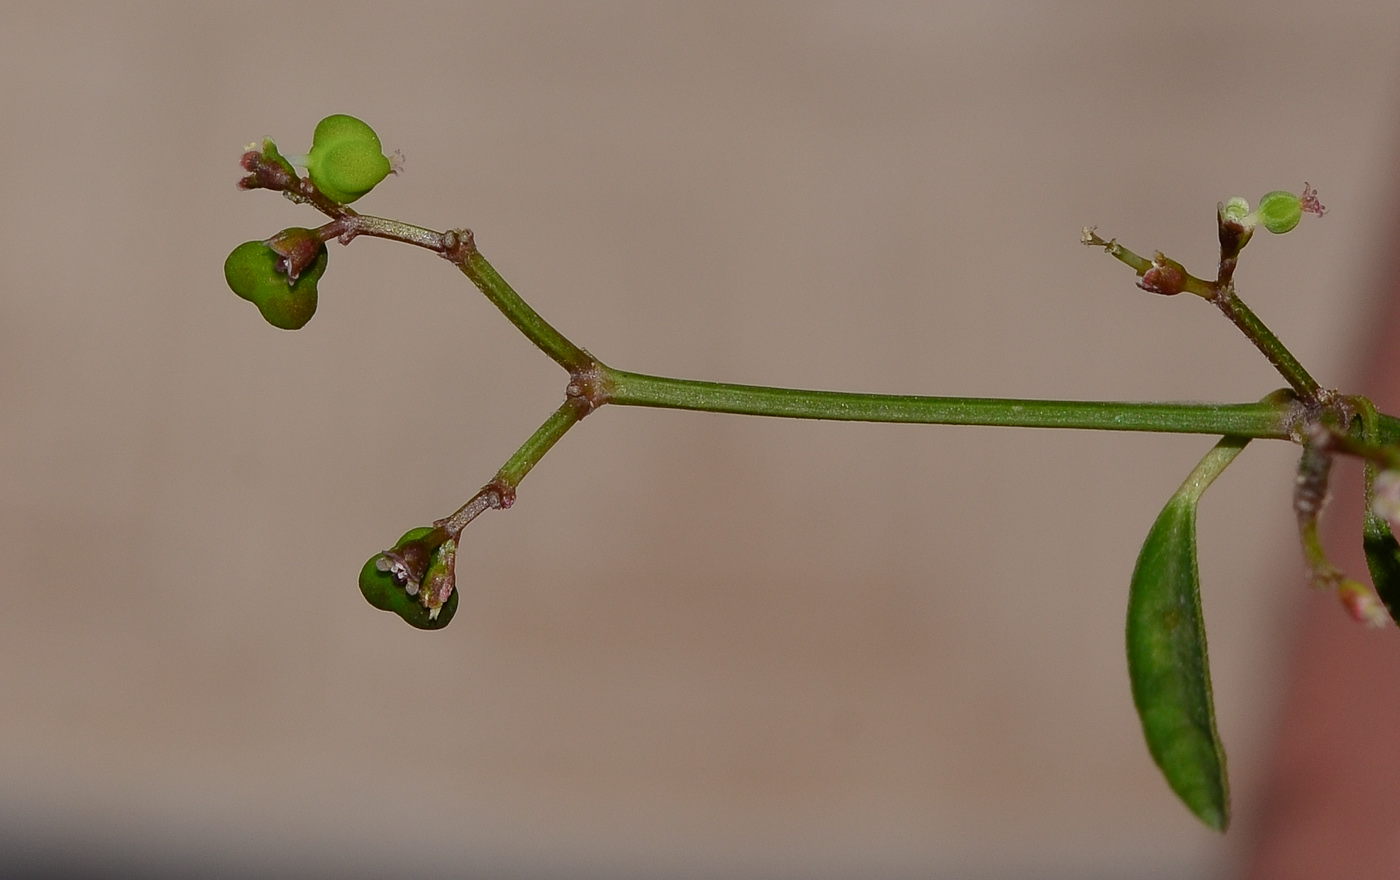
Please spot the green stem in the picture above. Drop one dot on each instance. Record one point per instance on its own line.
(1138, 264)
(459, 246)
(527, 320)
(540, 442)
(1233, 238)
(500, 492)
(1266, 419)
(1267, 343)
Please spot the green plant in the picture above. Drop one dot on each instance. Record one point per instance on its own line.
(1167, 656)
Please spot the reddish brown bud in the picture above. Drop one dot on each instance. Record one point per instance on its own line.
(296, 249)
(1166, 277)
(267, 169)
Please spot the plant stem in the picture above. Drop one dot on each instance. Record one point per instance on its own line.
(1271, 419)
(1233, 238)
(458, 246)
(500, 492)
(540, 442)
(527, 320)
(1266, 419)
(1267, 343)
(1138, 264)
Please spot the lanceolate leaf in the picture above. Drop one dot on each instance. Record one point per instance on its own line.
(1167, 659)
(1382, 554)
(1382, 551)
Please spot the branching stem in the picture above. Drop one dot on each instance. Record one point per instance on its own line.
(1282, 415)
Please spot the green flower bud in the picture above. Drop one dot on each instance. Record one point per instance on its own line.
(1280, 211)
(1236, 209)
(413, 581)
(258, 273)
(346, 159)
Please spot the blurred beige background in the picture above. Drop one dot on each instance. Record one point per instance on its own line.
(699, 645)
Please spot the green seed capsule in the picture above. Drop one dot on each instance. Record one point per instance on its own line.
(1280, 211)
(382, 590)
(251, 272)
(346, 159)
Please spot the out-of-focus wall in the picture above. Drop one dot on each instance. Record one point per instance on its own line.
(698, 645)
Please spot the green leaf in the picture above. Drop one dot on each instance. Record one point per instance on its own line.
(1382, 550)
(1382, 553)
(1167, 660)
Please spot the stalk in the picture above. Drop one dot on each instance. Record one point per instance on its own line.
(1270, 418)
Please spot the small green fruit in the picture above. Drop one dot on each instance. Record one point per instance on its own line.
(346, 159)
(382, 590)
(251, 272)
(1280, 211)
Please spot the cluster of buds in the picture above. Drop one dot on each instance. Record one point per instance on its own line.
(266, 168)
(416, 578)
(1278, 211)
(280, 274)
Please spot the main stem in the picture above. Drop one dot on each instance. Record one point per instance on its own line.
(1266, 419)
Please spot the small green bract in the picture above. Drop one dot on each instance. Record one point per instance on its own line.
(251, 272)
(346, 159)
